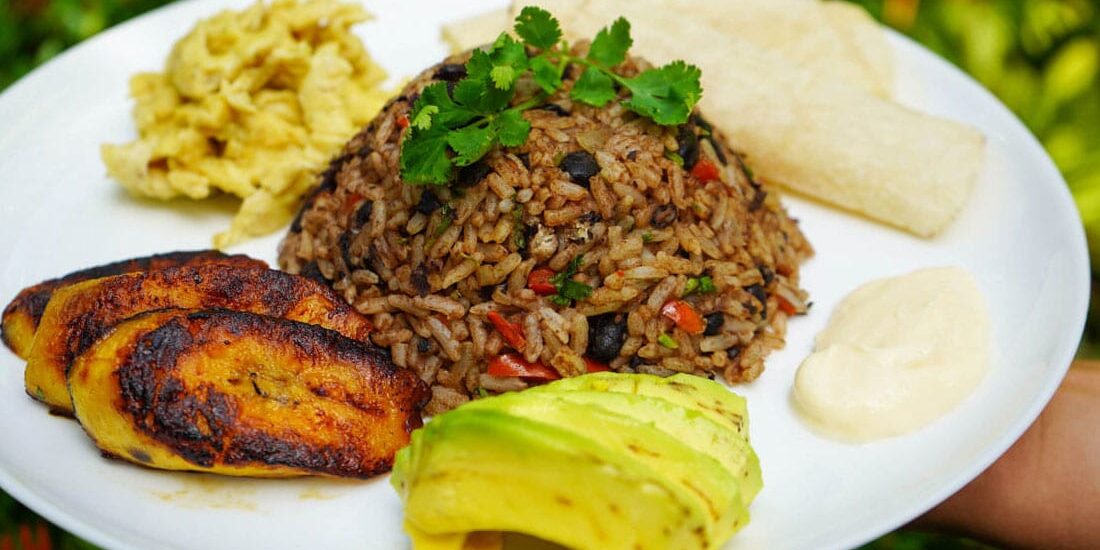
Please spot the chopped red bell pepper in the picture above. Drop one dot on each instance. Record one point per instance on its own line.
(685, 316)
(785, 306)
(403, 121)
(512, 332)
(539, 281)
(351, 203)
(705, 170)
(592, 365)
(513, 365)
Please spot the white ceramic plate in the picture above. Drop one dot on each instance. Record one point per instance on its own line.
(1019, 235)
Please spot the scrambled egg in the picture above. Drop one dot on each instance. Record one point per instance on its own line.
(252, 103)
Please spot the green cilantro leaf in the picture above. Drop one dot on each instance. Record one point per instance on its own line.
(470, 143)
(568, 289)
(423, 118)
(440, 109)
(573, 290)
(424, 157)
(509, 60)
(594, 87)
(611, 43)
(446, 218)
(503, 76)
(573, 266)
(477, 91)
(700, 285)
(511, 128)
(560, 300)
(667, 94)
(459, 125)
(546, 74)
(538, 28)
(668, 341)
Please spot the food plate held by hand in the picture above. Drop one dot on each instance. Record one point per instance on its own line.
(1031, 269)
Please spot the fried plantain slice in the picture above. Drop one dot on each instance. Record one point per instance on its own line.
(79, 314)
(21, 316)
(244, 395)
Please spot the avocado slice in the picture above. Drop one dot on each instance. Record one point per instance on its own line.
(707, 396)
(691, 427)
(715, 489)
(485, 469)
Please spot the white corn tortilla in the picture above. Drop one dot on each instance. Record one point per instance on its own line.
(806, 130)
(476, 31)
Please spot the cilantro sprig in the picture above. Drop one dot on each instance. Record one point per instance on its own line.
(455, 128)
(568, 289)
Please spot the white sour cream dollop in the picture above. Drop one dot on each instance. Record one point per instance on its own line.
(898, 353)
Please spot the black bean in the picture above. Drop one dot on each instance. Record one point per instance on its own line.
(486, 292)
(473, 174)
(717, 150)
(580, 165)
(362, 215)
(451, 72)
(733, 352)
(525, 158)
(328, 177)
(758, 198)
(606, 334)
(423, 345)
(688, 146)
(555, 108)
(632, 155)
(419, 280)
(590, 217)
(307, 203)
(767, 273)
(701, 122)
(311, 271)
(761, 296)
(370, 258)
(714, 323)
(663, 216)
(428, 202)
(345, 244)
(757, 292)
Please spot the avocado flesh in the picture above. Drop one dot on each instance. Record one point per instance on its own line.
(690, 427)
(708, 397)
(715, 489)
(479, 469)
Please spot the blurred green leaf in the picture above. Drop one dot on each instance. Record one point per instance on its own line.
(1072, 70)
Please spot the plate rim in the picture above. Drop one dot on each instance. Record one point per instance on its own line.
(1066, 345)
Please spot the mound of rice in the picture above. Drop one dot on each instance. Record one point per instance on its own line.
(429, 263)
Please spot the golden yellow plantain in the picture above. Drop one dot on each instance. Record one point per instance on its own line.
(21, 316)
(79, 314)
(244, 395)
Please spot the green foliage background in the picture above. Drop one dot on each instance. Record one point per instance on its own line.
(1040, 57)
